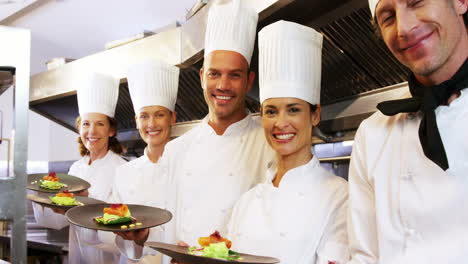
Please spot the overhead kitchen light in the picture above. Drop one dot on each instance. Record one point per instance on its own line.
(6, 78)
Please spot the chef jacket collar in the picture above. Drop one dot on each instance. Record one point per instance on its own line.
(234, 129)
(299, 178)
(100, 161)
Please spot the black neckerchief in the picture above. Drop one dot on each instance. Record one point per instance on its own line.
(426, 100)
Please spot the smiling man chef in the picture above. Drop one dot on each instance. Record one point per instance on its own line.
(408, 175)
(214, 163)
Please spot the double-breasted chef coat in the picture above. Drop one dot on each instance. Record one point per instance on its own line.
(403, 207)
(138, 182)
(207, 173)
(301, 221)
(84, 245)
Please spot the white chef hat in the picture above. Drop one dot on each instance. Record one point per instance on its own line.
(98, 93)
(290, 62)
(373, 6)
(153, 82)
(231, 27)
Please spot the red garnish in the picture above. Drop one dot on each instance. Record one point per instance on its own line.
(52, 174)
(114, 206)
(214, 238)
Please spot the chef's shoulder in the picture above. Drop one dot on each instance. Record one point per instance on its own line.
(333, 183)
(184, 140)
(128, 166)
(117, 159)
(76, 166)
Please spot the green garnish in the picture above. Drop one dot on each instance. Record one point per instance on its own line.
(52, 185)
(216, 250)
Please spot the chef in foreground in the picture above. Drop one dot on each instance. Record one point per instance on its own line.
(298, 214)
(214, 163)
(153, 89)
(407, 178)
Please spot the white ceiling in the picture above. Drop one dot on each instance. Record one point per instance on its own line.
(77, 28)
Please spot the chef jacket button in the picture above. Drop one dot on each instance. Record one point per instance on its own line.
(301, 194)
(410, 232)
(188, 174)
(231, 174)
(282, 234)
(223, 211)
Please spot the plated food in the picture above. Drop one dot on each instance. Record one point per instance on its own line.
(215, 246)
(117, 217)
(115, 214)
(51, 182)
(65, 198)
(61, 200)
(56, 182)
(214, 250)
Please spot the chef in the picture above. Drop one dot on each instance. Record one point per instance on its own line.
(226, 154)
(298, 214)
(153, 88)
(407, 178)
(97, 99)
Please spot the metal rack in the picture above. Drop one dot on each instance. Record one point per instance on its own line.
(15, 52)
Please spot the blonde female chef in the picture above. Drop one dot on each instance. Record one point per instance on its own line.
(153, 88)
(298, 214)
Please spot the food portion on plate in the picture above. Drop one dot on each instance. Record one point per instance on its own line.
(65, 198)
(115, 214)
(215, 246)
(51, 182)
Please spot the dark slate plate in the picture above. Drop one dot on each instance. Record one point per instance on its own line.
(43, 199)
(146, 215)
(182, 255)
(74, 184)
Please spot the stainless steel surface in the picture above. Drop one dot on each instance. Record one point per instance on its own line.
(59, 82)
(15, 50)
(8, 141)
(6, 78)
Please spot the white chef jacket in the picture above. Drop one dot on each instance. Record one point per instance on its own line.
(403, 207)
(84, 244)
(301, 221)
(138, 182)
(207, 173)
(210, 172)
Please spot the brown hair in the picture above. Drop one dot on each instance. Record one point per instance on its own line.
(114, 143)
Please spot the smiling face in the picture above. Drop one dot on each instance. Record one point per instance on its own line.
(288, 124)
(154, 124)
(427, 36)
(95, 131)
(226, 80)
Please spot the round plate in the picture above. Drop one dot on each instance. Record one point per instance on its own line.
(43, 199)
(148, 216)
(182, 255)
(74, 184)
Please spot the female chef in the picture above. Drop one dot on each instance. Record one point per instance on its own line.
(100, 151)
(298, 214)
(97, 99)
(153, 88)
